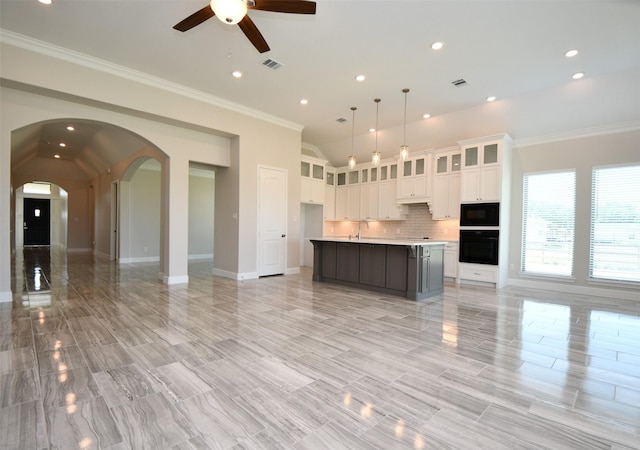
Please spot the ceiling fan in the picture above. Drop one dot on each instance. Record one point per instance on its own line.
(235, 11)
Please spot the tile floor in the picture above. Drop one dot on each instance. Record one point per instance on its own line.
(93, 355)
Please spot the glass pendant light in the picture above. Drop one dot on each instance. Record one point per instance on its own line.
(375, 158)
(404, 149)
(352, 158)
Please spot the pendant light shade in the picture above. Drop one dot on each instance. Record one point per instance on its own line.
(404, 148)
(375, 158)
(352, 158)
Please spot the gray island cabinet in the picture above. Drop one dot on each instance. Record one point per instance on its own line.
(409, 268)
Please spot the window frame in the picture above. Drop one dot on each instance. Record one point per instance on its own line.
(525, 212)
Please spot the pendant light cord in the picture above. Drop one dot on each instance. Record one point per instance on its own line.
(404, 137)
(353, 126)
(377, 100)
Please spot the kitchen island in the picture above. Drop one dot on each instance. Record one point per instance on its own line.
(412, 268)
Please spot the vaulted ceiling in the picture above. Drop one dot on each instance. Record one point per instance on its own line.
(513, 50)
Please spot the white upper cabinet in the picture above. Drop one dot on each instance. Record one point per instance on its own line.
(415, 179)
(482, 169)
(445, 201)
(330, 194)
(312, 180)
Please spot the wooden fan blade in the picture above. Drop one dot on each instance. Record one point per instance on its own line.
(253, 34)
(286, 6)
(195, 19)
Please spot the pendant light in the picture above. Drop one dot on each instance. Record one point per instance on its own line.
(375, 158)
(352, 158)
(404, 149)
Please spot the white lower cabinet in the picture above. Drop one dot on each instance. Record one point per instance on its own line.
(451, 260)
(478, 272)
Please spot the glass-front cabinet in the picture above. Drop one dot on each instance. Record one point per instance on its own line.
(448, 162)
(312, 180)
(414, 184)
(445, 201)
(481, 179)
(330, 194)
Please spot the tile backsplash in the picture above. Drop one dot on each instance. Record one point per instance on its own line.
(417, 225)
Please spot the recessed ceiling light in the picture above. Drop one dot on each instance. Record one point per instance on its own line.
(56, 156)
(360, 78)
(571, 53)
(577, 76)
(304, 101)
(437, 45)
(491, 98)
(426, 116)
(236, 74)
(45, 2)
(372, 130)
(70, 128)
(62, 144)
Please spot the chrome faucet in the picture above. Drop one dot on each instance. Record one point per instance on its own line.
(360, 230)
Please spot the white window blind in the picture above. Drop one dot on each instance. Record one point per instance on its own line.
(548, 223)
(615, 224)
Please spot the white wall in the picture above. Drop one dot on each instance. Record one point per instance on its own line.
(202, 191)
(144, 215)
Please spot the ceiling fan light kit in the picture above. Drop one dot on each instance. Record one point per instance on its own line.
(229, 11)
(235, 12)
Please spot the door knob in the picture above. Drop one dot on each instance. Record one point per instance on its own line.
(284, 235)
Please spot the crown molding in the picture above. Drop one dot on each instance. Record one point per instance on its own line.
(64, 54)
(577, 134)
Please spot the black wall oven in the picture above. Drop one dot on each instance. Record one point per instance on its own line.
(479, 215)
(479, 246)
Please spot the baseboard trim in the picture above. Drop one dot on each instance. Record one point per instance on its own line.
(292, 271)
(181, 279)
(139, 260)
(6, 297)
(621, 294)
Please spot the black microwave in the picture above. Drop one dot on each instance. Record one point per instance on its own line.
(480, 214)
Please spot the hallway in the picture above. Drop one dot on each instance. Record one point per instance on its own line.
(96, 355)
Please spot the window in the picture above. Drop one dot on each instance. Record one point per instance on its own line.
(37, 188)
(615, 224)
(548, 223)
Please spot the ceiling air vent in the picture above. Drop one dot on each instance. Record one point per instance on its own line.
(341, 120)
(271, 64)
(458, 83)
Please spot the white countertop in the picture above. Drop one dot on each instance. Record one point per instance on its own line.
(382, 241)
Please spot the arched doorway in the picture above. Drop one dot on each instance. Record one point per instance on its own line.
(41, 214)
(88, 158)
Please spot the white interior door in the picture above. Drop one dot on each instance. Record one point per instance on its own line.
(272, 218)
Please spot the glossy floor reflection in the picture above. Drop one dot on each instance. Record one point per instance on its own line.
(103, 356)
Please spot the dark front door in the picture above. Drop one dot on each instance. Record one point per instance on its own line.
(37, 221)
